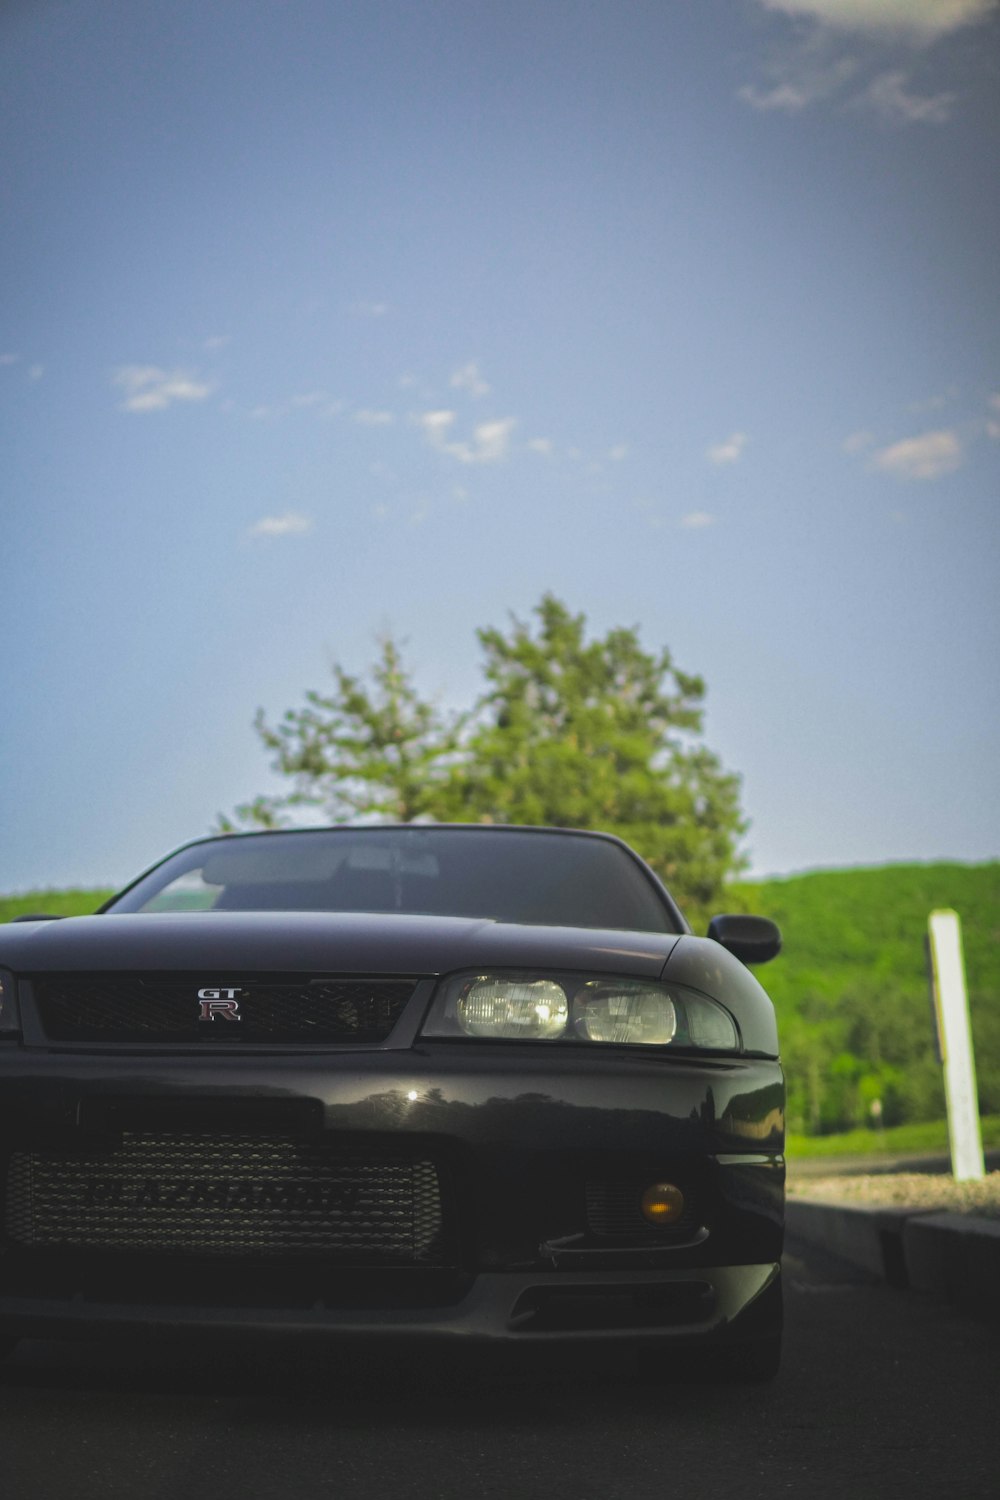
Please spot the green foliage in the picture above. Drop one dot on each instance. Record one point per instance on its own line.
(599, 734)
(930, 1138)
(52, 903)
(569, 733)
(360, 752)
(851, 991)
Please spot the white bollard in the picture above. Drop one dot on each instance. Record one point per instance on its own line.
(951, 1008)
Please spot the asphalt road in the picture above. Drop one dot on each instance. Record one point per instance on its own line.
(882, 1394)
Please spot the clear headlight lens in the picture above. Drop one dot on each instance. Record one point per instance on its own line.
(644, 1014)
(579, 1008)
(709, 1027)
(513, 1008)
(10, 1021)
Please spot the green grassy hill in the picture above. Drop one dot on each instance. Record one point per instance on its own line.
(53, 903)
(850, 986)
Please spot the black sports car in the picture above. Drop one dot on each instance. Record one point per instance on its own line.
(446, 1081)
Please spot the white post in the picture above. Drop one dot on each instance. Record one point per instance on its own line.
(951, 1007)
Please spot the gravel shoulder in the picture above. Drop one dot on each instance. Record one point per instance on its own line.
(904, 1190)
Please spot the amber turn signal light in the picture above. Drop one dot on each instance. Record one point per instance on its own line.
(662, 1203)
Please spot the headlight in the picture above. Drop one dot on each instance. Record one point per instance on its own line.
(520, 1006)
(512, 1008)
(605, 1012)
(10, 1022)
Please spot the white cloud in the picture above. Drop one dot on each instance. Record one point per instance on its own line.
(9, 359)
(787, 96)
(311, 398)
(695, 520)
(618, 452)
(418, 386)
(858, 442)
(926, 456)
(923, 20)
(807, 72)
(541, 445)
(934, 403)
(728, 452)
(993, 424)
(291, 524)
(370, 309)
(148, 388)
(217, 341)
(469, 379)
(36, 372)
(491, 441)
(858, 53)
(889, 96)
(798, 77)
(489, 444)
(369, 418)
(436, 425)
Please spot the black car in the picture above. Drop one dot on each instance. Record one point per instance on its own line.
(473, 1083)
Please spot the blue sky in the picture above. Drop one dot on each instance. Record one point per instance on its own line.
(326, 319)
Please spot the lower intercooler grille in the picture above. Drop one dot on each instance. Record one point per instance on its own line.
(228, 1195)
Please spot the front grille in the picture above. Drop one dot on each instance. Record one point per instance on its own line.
(171, 1008)
(228, 1195)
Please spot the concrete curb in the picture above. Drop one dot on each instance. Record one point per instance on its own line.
(955, 1256)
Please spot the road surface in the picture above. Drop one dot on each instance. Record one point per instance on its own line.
(883, 1394)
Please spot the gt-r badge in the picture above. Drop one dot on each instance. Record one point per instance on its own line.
(218, 1001)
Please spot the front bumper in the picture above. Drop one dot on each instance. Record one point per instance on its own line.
(519, 1137)
(682, 1307)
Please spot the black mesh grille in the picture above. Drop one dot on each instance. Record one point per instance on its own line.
(173, 1008)
(614, 1209)
(228, 1195)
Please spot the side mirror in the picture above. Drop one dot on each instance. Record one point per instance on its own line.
(753, 940)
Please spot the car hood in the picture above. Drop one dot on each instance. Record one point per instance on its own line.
(320, 942)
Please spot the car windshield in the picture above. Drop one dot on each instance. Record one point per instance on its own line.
(516, 875)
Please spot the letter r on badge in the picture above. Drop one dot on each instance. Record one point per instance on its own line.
(229, 1010)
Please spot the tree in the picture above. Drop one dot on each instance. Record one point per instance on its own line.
(569, 733)
(599, 734)
(361, 752)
